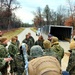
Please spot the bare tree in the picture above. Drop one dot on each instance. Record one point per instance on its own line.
(38, 19)
(47, 14)
(61, 15)
(72, 11)
(9, 6)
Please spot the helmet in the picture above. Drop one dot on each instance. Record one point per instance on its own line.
(54, 39)
(72, 45)
(36, 51)
(47, 44)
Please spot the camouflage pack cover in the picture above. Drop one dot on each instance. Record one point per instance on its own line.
(47, 65)
(36, 51)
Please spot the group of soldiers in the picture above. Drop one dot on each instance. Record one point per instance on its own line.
(44, 56)
(7, 54)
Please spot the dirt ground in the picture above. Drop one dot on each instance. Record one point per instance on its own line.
(65, 61)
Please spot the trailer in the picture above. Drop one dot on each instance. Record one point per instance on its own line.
(62, 32)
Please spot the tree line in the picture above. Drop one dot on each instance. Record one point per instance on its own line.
(8, 19)
(63, 15)
(46, 16)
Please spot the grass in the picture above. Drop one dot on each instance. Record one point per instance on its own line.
(9, 34)
(33, 29)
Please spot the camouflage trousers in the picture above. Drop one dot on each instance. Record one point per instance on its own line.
(17, 65)
(15, 69)
(3, 70)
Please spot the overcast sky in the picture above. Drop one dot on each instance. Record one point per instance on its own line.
(28, 6)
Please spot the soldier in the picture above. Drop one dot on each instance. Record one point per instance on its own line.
(57, 48)
(49, 37)
(13, 51)
(29, 42)
(30, 37)
(47, 50)
(71, 62)
(3, 55)
(40, 41)
(42, 65)
(17, 41)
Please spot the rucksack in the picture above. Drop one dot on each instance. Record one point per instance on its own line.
(46, 65)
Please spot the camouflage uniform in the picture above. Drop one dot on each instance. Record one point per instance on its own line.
(32, 39)
(13, 50)
(17, 43)
(29, 42)
(71, 63)
(3, 54)
(47, 50)
(19, 68)
(57, 48)
(59, 51)
(40, 43)
(2, 63)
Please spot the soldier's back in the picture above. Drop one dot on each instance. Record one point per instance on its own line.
(47, 65)
(49, 52)
(59, 51)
